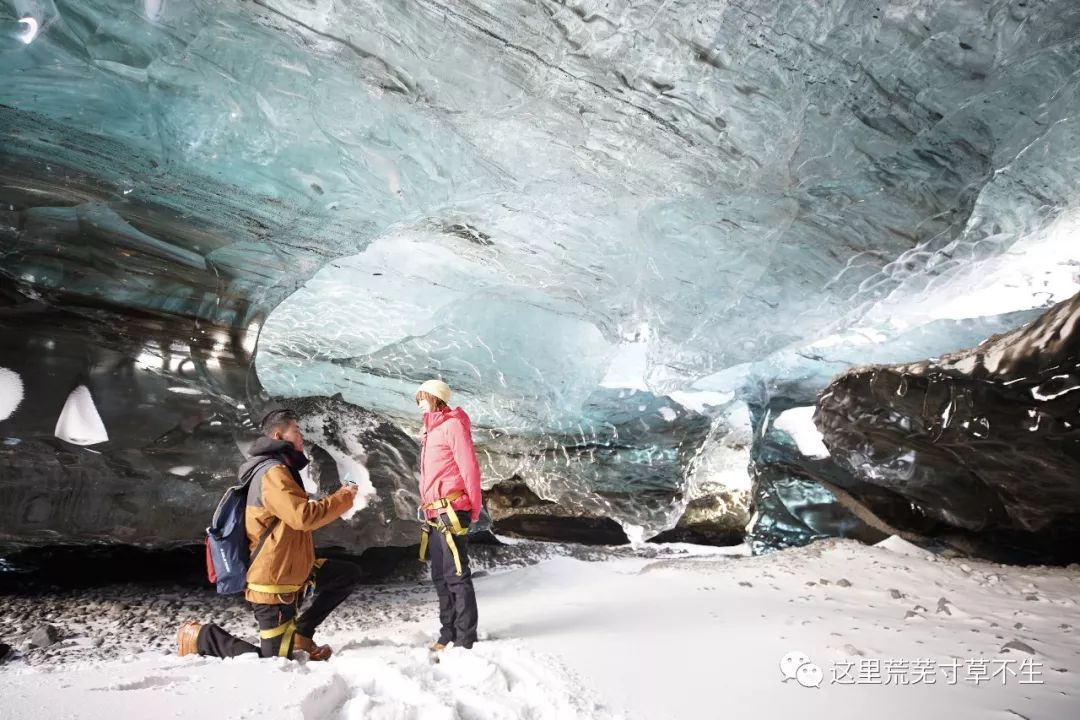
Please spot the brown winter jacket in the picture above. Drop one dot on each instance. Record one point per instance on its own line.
(288, 555)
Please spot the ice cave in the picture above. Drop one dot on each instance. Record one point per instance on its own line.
(754, 295)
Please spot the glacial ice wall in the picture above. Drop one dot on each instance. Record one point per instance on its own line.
(572, 211)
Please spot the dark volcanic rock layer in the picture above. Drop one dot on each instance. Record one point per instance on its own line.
(163, 493)
(518, 511)
(984, 441)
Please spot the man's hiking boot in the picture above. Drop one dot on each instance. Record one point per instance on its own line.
(187, 638)
(437, 647)
(315, 652)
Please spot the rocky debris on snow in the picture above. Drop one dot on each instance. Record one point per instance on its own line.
(42, 636)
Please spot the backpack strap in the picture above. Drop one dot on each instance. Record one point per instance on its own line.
(256, 477)
(262, 540)
(253, 479)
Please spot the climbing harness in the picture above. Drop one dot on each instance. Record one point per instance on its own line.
(287, 628)
(440, 522)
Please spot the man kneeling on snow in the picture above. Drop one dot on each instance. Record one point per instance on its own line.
(284, 569)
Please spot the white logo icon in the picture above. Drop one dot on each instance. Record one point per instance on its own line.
(797, 666)
(809, 675)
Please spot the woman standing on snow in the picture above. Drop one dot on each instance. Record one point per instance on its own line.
(449, 502)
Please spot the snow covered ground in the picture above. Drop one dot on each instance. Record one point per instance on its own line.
(893, 632)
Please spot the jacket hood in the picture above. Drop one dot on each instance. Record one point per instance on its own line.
(463, 416)
(265, 448)
(433, 420)
(269, 446)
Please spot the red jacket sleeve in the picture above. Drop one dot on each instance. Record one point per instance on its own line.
(465, 457)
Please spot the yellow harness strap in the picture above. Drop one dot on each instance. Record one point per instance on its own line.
(448, 531)
(442, 503)
(288, 589)
(274, 589)
(286, 629)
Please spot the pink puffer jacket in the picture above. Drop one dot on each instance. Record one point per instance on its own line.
(448, 461)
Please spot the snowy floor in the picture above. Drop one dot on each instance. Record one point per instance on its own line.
(895, 633)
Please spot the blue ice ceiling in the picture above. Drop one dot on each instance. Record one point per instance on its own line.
(569, 210)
